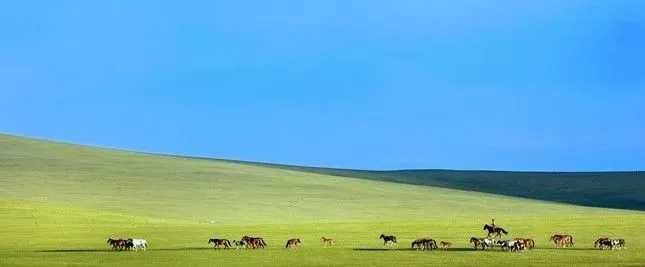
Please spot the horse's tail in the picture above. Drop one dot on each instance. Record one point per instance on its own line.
(394, 239)
(503, 231)
(571, 239)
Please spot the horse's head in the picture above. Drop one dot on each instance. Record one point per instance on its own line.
(211, 240)
(382, 236)
(486, 227)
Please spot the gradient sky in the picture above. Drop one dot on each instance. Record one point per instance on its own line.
(512, 85)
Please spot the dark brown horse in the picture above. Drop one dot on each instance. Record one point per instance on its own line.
(293, 243)
(119, 244)
(476, 242)
(388, 239)
(254, 242)
(424, 244)
(219, 243)
(492, 229)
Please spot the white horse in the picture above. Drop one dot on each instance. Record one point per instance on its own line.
(487, 242)
(139, 244)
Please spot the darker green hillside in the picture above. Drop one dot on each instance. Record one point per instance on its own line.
(624, 190)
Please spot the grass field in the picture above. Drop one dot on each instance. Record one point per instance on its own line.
(60, 202)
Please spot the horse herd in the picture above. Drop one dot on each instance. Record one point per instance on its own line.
(128, 244)
(492, 240)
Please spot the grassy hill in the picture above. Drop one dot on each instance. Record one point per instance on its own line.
(622, 190)
(59, 202)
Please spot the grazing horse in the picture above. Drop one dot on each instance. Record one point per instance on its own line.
(562, 240)
(445, 245)
(388, 239)
(138, 244)
(418, 244)
(219, 243)
(292, 243)
(492, 229)
(327, 241)
(424, 244)
(528, 242)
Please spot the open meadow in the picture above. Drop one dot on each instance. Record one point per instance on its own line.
(59, 203)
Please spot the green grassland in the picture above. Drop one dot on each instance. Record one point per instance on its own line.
(60, 202)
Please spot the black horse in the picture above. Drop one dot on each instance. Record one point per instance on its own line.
(388, 239)
(498, 231)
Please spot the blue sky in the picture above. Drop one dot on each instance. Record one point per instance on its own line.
(513, 85)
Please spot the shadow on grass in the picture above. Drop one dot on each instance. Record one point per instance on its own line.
(465, 249)
(121, 251)
(355, 249)
(411, 249)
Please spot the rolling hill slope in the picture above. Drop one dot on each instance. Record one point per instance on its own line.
(219, 191)
(59, 202)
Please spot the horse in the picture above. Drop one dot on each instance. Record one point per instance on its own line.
(138, 244)
(599, 241)
(512, 245)
(254, 242)
(562, 240)
(119, 244)
(219, 243)
(388, 239)
(620, 243)
(293, 243)
(424, 244)
(327, 241)
(476, 242)
(528, 242)
(445, 245)
(492, 229)
(418, 244)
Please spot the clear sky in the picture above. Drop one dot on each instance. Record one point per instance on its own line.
(513, 85)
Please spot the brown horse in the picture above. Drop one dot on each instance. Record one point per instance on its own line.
(292, 243)
(254, 242)
(445, 245)
(327, 241)
(219, 243)
(476, 242)
(562, 240)
(528, 242)
(119, 244)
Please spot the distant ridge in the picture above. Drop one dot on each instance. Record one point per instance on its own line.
(607, 189)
